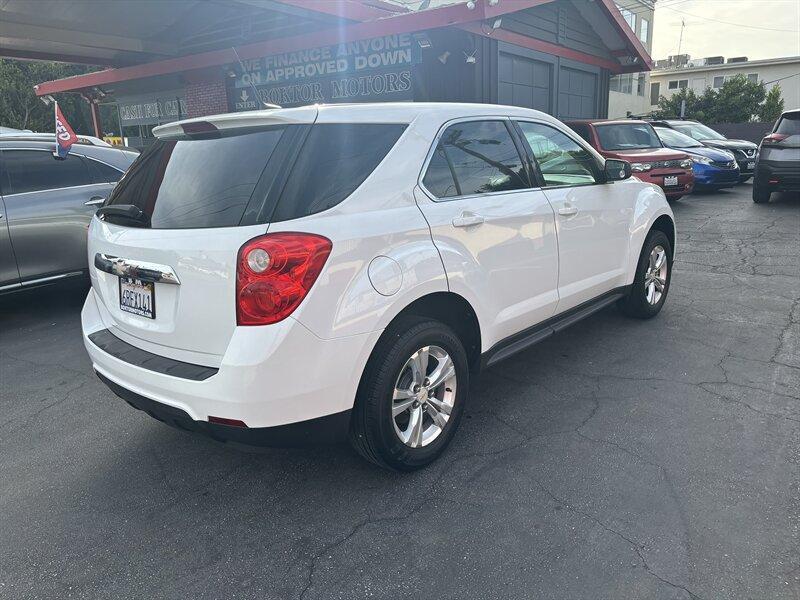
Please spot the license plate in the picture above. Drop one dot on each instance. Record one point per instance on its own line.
(137, 297)
(751, 165)
(671, 180)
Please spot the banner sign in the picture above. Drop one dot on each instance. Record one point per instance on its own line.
(372, 70)
(152, 109)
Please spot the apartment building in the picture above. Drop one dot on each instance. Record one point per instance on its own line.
(628, 92)
(699, 74)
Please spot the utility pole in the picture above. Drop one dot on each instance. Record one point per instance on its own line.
(680, 39)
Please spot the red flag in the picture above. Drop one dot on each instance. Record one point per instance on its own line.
(65, 137)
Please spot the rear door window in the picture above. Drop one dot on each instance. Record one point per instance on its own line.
(481, 157)
(197, 183)
(335, 159)
(37, 170)
(103, 173)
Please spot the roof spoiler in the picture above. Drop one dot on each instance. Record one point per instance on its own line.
(304, 115)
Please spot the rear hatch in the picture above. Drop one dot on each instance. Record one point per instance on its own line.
(781, 148)
(163, 250)
(164, 247)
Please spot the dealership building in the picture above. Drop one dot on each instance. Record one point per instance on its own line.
(189, 58)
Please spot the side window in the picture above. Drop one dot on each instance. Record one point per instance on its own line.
(439, 178)
(103, 173)
(335, 160)
(35, 170)
(562, 161)
(481, 158)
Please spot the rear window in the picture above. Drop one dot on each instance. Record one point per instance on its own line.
(196, 183)
(248, 178)
(789, 124)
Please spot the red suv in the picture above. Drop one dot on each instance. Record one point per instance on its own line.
(638, 143)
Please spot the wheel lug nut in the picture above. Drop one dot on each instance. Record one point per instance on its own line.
(416, 389)
(427, 382)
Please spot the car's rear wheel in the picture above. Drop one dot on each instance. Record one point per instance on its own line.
(412, 395)
(761, 193)
(651, 282)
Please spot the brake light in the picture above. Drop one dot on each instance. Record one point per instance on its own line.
(274, 272)
(775, 137)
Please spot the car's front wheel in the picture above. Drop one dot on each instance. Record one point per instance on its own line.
(411, 396)
(651, 282)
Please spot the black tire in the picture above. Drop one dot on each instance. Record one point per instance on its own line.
(635, 303)
(372, 431)
(761, 193)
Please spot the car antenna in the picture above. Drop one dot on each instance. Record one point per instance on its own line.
(253, 85)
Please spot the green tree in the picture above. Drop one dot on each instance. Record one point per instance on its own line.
(697, 107)
(739, 100)
(22, 109)
(772, 107)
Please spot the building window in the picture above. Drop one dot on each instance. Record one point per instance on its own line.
(644, 30)
(613, 84)
(718, 81)
(629, 16)
(678, 83)
(640, 83)
(655, 92)
(752, 77)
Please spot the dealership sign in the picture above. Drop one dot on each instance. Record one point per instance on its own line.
(152, 109)
(376, 69)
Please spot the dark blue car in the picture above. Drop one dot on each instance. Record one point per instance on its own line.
(713, 168)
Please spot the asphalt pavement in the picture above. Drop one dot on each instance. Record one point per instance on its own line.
(619, 459)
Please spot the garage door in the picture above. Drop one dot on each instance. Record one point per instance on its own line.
(524, 82)
(577, 97)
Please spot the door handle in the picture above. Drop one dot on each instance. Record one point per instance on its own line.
(467, 219)
(94, 201)
(568, 211)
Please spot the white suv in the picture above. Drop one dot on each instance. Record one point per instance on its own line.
(307, 274)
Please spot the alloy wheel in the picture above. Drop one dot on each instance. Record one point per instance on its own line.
(424, 396)
(655, 277)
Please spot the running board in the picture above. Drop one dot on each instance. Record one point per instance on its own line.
(533, 335)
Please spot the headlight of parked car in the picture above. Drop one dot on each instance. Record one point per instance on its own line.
(640, 167)
(698, 159)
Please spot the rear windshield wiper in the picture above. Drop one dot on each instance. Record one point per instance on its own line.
(125, 212)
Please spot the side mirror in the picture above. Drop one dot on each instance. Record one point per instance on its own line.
(617, 170)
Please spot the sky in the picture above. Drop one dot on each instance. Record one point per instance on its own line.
(750, 28)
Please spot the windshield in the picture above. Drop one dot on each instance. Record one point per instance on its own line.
(623, 136)
(672, 138)
(699, 131)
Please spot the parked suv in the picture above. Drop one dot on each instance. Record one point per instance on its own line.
(637, 143)
(307, 274)
(46, 204)
(778, 165)
(745, 152)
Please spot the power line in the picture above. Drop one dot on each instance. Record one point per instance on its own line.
(781, 79)
(730, 23)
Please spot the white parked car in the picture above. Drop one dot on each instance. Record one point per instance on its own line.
(312, 273)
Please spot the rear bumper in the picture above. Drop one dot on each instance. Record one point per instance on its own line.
(779, 176)
(269, 377)
(329, 429)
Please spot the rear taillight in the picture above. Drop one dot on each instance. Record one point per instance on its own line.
(775, 137)
(274, 273)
